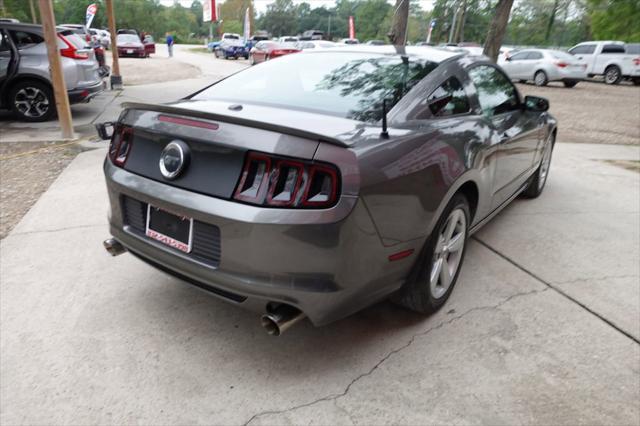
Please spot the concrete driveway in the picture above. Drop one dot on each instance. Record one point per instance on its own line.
(542, 328)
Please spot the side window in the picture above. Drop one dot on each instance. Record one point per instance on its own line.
(584, 49)
(613, 48)
(4, 42)
(448, 99)
(496, 94)
(24, 40)
(534, 55)
(519, 56)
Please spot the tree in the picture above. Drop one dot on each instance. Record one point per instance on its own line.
(615, 19)
(280, 18)
(400, 20)
(497, 29)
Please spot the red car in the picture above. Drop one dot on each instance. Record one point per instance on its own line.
(265, 50)
(130, 45)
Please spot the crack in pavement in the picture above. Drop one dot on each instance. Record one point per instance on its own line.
(607, 277)
(46, 231)
(413, 338)
(558, 290)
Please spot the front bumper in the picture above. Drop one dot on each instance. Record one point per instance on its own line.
(84, 94)
(326, 270)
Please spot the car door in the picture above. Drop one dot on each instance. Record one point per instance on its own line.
(258, 55)
(517, 130)
(5, 56)
(585, 53)
(514, 65)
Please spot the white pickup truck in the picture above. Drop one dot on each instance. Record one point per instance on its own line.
(610, 59)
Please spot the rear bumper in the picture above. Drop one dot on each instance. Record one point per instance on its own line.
(84, 94)
(327, 270)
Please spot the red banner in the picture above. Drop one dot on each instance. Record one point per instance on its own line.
(209, 11)
(352, 28)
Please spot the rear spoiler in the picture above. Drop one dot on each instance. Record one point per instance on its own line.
(167, 109)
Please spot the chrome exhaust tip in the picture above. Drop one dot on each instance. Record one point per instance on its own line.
(113, 247)
(281, 319)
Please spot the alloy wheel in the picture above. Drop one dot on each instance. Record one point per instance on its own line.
(544, 166)
(612, 75)
(540, 78)
(31, 102)
(448, 253)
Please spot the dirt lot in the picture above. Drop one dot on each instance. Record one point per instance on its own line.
(155, 69)
(26, 171)
(593, 112)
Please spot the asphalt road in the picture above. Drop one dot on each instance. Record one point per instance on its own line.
(542, 328)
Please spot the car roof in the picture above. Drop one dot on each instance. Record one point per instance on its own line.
(429, 53)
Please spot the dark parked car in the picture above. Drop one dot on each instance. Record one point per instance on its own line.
(130, 45)
(231, 48)
(320, 183)
(25, 80)
(265, 50)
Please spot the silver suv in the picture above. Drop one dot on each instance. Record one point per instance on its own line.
(25, 81)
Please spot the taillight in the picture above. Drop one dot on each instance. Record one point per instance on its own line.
(281, 182)
(120, 145)
(71, 51)
(636, 61)
(561, 64)
(278, 52)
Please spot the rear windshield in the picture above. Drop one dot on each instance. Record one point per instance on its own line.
(345, 84)
(128, 38)
(231, 37)
(562, 55)
(73, 38)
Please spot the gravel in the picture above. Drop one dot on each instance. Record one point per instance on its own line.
(26, 171)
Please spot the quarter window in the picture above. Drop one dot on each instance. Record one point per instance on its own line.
(448, 99)
(4, 42)
(495, 92)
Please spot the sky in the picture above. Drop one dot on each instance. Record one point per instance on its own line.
(261, 5)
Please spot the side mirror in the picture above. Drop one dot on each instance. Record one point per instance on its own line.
(536, 103)
(105, 130)
(507, 58)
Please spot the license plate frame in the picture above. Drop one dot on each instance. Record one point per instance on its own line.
(129, 51)
(170, 241)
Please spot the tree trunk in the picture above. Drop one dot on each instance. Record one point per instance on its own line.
(497, 28)
(33, 12)
(460, 30)
(552, 18)
(398, 33)
(3, 11)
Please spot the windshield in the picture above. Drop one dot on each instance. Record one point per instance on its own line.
(350, 85)
(128, 38)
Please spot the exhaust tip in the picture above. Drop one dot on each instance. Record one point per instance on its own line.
(270, 325)
(113, 247)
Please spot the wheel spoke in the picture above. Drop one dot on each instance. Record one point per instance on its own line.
(445, 274)
(456, 243)
(451, 226)
(435, 273)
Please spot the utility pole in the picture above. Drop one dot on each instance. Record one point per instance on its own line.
(33, 12)
(116, 79)
(55, 67)
(497, 28)
(398, 33)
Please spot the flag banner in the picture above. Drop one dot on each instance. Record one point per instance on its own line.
(247, 26)
(352, 28)
(209, 11)
(91, 12)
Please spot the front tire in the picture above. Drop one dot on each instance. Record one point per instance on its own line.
(436, 271)
(540, 78)
(612, 75)
(252, 60)
(32, 101)
(539, 179)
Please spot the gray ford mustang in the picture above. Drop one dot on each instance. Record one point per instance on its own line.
(319, 183)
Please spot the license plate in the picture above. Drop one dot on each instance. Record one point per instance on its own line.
(129, 51)
(170, 229)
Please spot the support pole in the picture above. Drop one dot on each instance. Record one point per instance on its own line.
(55, 67)
(116, 79)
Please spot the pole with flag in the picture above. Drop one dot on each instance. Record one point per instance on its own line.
(246, 33)
(352, 28)
(91, 13)
(432, 24)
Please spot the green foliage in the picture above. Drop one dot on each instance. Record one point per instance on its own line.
(615, 19)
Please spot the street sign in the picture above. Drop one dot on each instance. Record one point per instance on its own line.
(209, 12)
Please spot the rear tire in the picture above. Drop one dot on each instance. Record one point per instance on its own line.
(436, 270)
(636, 81)
(540, 78)
(539, 179)
(32, 101)
(612, 75)
(522, 81)
(569, 84)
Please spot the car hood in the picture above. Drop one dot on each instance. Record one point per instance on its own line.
(336, 130)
